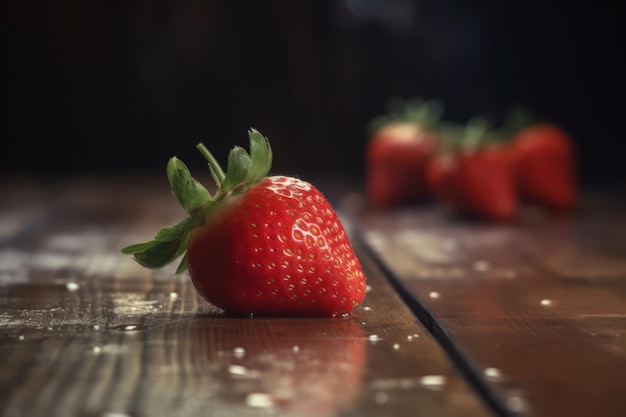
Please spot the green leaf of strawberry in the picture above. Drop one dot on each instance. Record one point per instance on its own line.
(423, 114)
(190, 193)
(260, 245)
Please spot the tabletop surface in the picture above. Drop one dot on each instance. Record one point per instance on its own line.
(460, 318)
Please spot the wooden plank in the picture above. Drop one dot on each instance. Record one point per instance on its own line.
(85, 331)
(535, 310)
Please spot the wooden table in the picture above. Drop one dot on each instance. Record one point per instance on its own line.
(460, 318)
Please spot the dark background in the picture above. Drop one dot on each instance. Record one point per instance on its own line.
(117, 87)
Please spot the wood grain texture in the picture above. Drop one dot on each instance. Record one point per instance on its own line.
(536, 309)
(85, 331)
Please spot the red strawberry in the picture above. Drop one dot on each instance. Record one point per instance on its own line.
(398, 152)
(545, 165)
(261, 245)
(475, 176)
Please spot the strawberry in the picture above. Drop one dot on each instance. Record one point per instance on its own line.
(544, 159)
(398, 152)
(475, 175)
(260, 245)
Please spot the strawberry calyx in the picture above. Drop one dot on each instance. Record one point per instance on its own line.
(477, 134)
(469, 138)
(243, 171)
(516, 120)
(420, 113)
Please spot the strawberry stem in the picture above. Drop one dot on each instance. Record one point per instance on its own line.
(216, 169)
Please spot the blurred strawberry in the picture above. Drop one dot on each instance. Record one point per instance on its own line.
(474, 174)
(544, 158)
(400, 146)
(545, 165)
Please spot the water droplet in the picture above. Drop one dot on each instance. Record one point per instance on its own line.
(128, 327)
(239, 352)
(95, 327)
(367, 308)
(72, 286)
(381, 397)
(433, 294)
(433, 381)
(368, 288)
(296, 349)
(115, 414)
(409, 337)
(173, 295)
(373, 338)
(546, 302)
(259, 400)
(396, 346)
(516, 404)
(237, 370)
(482, 266)
(97, 350)
(21, 337)
(492, 373)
